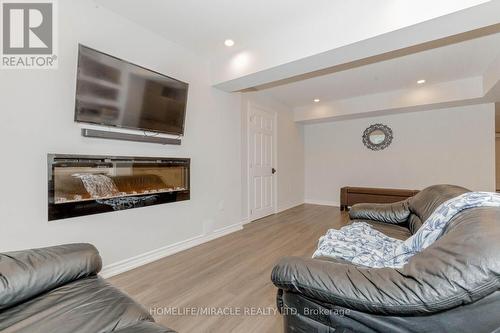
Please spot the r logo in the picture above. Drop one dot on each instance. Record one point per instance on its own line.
(27, 28)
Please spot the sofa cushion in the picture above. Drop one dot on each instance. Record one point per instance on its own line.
(426, 201)
(83, 306)
(25, 274)
(394, 231)
(393, 213)
(414, 223)
(480, 316)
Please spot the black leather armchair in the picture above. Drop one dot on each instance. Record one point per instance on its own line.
(451, 286)
(57, 289)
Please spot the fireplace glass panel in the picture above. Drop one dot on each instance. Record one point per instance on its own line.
(78, 183)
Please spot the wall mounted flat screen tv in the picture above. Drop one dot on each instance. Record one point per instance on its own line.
(113, 92)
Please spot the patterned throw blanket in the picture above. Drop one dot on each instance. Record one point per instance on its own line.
(360, 244)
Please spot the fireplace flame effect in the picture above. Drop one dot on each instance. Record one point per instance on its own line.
(98, 186)
(101, 186)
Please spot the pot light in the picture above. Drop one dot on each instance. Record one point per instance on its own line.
(229, 42)
(316, 100)
(421, 81)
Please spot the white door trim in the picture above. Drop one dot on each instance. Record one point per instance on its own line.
(250, 106)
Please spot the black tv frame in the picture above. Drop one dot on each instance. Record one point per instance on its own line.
(138, 66)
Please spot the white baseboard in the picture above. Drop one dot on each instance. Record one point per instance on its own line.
(289, 206)
(247, 220)
(322, 202)
(145, 258)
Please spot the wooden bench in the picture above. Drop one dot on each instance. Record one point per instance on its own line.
(353, 195)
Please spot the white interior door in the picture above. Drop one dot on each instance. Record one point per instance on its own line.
(261, 163)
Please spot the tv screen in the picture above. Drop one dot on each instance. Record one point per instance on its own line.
(113, 92)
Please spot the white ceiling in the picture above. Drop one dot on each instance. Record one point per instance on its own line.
(449, 63)
(279, 32)
(203, 25)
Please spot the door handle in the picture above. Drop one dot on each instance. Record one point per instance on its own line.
(273, 170)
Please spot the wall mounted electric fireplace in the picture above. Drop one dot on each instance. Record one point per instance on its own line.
(84, 185)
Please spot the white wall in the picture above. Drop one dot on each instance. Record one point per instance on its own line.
(37, 118)
(454, 146)
(290, 155)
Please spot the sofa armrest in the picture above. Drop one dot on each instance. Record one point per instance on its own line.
(26, 274)
(385, 291)
(394, 213)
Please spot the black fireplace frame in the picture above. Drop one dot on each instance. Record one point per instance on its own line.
(90, 207)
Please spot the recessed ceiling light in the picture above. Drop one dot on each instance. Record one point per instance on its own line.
(229, 42)
(316, 100)
(421, 81)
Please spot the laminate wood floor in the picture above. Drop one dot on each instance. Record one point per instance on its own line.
(231, 273)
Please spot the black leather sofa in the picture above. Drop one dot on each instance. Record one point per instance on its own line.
(451, 286)
(57, 290)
